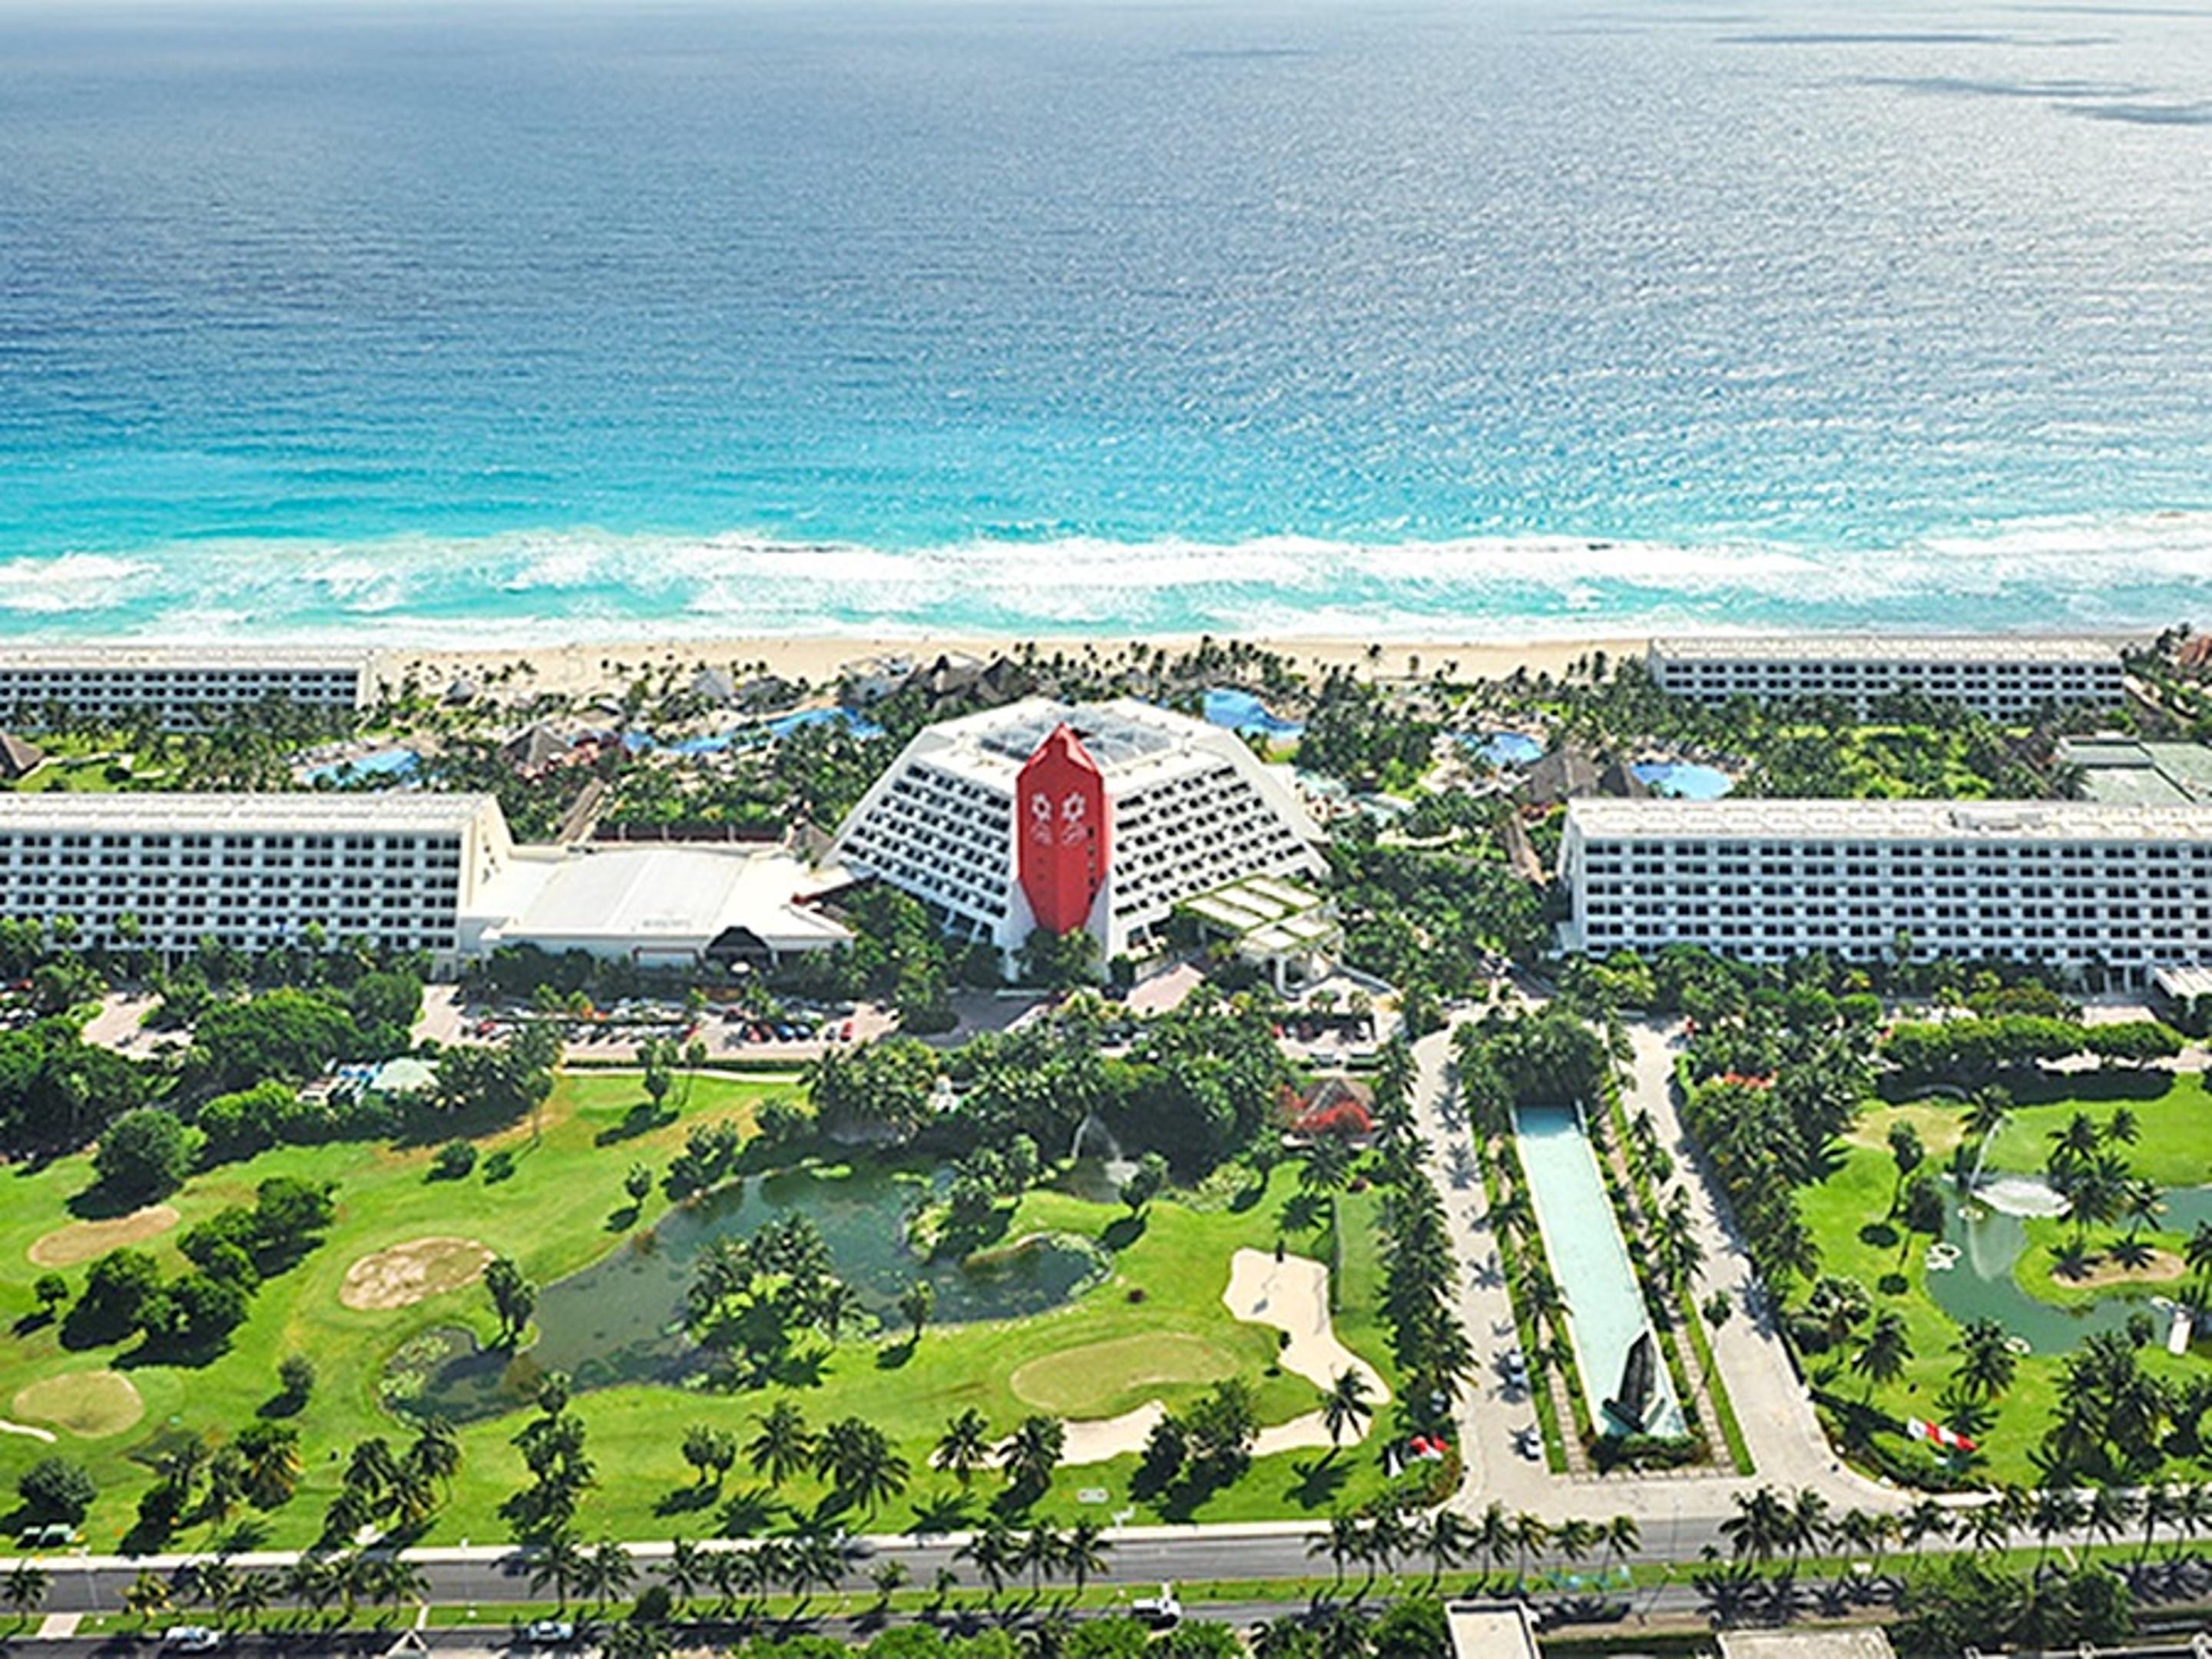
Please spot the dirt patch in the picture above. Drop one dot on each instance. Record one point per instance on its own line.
(2163, 1268)
(413, 1272)
(88, 1404)
(85, 1241)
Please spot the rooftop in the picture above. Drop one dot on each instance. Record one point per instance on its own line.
(96, 653)
(1128, 739)
(1490, 1630)
(1840, 1642)
(303, 812)
(1897, 820)
(1886, 647)
(680, 897)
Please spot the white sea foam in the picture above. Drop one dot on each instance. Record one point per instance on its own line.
(2138, 572)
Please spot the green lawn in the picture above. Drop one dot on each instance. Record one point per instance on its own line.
(1838, 1211)
(553, 1216)
(2174, 1148)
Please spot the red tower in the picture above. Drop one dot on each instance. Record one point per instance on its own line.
(1062, 835)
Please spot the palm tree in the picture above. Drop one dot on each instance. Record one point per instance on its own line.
(1576, 1538)
(964, 1447)
(1760, 1525)
(1493, 1534)
(1342, 1542)
(1031, 1452)
(1038, 1552)
(436, 1452)
(145, 1596)
(27, 1587)
(560, 1563)
(1084, 1552)
(854, 1456)
(252, 1595)
(917, 1302)
(2158, 1510)
(784, 1445)
(1530, 1534)
(2110, 1512)
(1986, 1525)
(1623, 1538)
(1808, 1524)
(683, 1570)
(1987, 1364)
(991, 1546)
(608, 1570)
(2054, 1509)
(1446, 1540)
(1346, 1406)
(1882, 1356)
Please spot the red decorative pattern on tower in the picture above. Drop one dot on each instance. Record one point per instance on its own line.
(1062, 835)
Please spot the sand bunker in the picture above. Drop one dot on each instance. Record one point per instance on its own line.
(2163, 1268)
(90, 1404)
(1292, 1295)
(413, 1272)
(86, 1241)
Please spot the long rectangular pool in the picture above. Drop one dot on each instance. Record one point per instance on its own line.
(1589, 1259)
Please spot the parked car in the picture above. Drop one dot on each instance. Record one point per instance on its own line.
(550, 1632)
(1161, 1612)
(191, 1638)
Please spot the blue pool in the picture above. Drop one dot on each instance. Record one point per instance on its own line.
(806, 717)
(1685, 779)
(384, 763)
(1506, 747)
(1589, 1259)
(1240, 711)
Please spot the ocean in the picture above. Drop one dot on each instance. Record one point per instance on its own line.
(1391, 319)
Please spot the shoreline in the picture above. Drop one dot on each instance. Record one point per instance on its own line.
(582, 667)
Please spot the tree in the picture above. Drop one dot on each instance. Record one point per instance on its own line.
(51, 1290)
(783, 1445)
(559, 1563)
(27, 1586)
(146, 1154)
(857, 1458)
(1986, 1361)
(710, 1451)
(1030, 1454)
(1346, 1406)
(964, 1447)
(1085, 1551)
(1906, 1151)
(514, 1297)
(638, 1183)
(295, 1378)
(1882, 1356)
(1145, 1182)
(915, 1304)
(991, 1546)
(608, 1571)
(58, 1489)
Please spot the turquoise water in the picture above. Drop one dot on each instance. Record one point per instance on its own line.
(1685, 779)
(384, 763)
(1589, 1259)
(1499, 319)
(621, 1319)
(1240, 711)
(1507, 748)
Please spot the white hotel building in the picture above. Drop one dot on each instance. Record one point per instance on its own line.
(2001, 677)
(1180, 809)
(406, 872)
(2073, 884)
(178, 683)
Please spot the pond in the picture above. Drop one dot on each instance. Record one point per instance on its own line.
(621, 1320)
(1684, 780)
(1982, 1285)
(1240, 711)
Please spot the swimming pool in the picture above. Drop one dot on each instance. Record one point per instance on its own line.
(1240, 711)
(384, 763)
(1504, 748)
(1685, 779)
(1589, 1259)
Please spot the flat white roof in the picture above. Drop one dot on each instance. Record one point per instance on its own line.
(1886, 647)
(1490, 1630)
(1835, 1642)
(666, 897)
(2183, 981)
(297, 813)
(1133, 742)
(116, 653)
(1891, 820)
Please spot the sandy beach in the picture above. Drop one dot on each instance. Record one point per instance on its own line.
(584, 668)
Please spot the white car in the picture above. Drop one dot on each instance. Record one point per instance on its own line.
(550, 1631)
(1160, 1611)
(191, 1638)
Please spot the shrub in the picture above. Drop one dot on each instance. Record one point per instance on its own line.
(499, 1166)
(453, 1162)
(57, 1489)
(296, 1377)
(146, 1154)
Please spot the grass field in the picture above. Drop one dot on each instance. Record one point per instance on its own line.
(1155, 1328)
(1840, 1209)
(2175, 1147)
